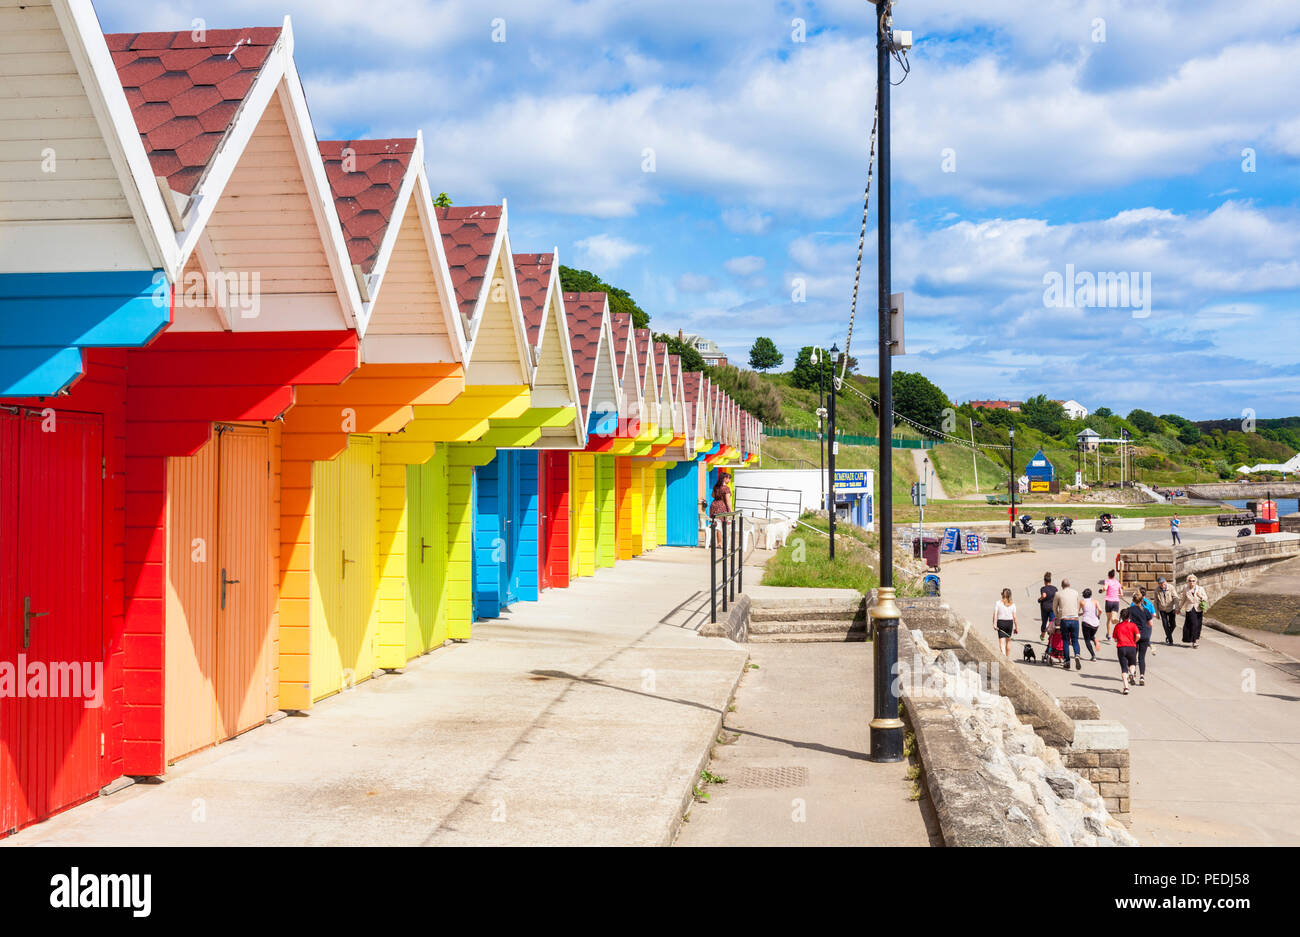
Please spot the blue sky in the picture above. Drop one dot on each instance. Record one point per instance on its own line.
(1152, 137)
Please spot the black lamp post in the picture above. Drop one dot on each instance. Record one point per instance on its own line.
(1011, 485)
(830, 452)
(886, 727)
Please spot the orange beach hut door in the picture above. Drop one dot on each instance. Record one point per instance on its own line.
(344, 633)
(220, 590)
(51, 611)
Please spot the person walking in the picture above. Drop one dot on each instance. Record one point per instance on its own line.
(1174, 524)
(721, 496)
(1192, 602)
(1112, 600)
(1166, 601)
(1090, 621)
(1126, 639)
(1045, 596)
(1004, 620)
(1065, 606)
(1141, 613)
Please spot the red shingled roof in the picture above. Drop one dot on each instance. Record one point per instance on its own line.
(468, 234)
(585, 313)
(533, 273)
(621, 326)
(643, 342)
(365, 190)
(184, 94)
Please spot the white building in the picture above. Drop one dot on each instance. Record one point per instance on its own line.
(1074, 410)
(1290, 467)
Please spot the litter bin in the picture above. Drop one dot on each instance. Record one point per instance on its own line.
(929, 548)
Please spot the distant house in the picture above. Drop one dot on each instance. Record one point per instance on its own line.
(1088, 439)
(713, 356)
(1073, 409)
(1012, 405)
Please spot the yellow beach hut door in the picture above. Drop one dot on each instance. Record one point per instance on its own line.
(220, 590)
(343, 628)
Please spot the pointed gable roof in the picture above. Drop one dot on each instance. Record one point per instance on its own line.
(621, 326)
(533, 273)
(588, 331)
(184, 94)
(469, 235)
(365, 178)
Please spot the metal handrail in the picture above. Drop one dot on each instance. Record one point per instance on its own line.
(726, 543)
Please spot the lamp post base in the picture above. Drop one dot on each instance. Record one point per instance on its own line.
(886, 727)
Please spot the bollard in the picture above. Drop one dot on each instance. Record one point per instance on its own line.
(886, 727)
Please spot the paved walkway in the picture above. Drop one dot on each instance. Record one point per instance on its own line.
(1214, 734)
(933, 483)
(581, 719)
(797, 771)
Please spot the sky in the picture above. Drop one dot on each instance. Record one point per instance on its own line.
(710, 156)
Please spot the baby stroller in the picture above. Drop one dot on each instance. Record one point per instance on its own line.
(1026, 524)
(1067, 526)
(1049, 525)
(1107, 524)
(1055, 652)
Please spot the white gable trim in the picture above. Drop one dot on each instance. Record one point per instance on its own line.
(89, 50)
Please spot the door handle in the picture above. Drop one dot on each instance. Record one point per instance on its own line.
(28, 615)
(423, 546)
(346, 561)
(225, 582)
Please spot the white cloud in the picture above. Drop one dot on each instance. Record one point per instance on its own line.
(695, 283)
(607, 251)
(745, 266)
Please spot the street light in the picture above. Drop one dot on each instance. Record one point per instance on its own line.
(830, 457)
(973, 462)
(886, 727)
(1011, 485)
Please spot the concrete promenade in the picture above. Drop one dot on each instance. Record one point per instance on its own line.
(582, 719)
(1214, 736)
(796, 759)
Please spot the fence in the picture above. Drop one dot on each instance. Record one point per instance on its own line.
(762, 502)
(897, 442)
(726, 543)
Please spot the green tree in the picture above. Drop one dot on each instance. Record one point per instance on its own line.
(764, 355)
(442, 200)
(1104, 412)
(1144, 420)
(1042, 414)
(620, 301)
(918, 398)
(804, 373)
(691, 359)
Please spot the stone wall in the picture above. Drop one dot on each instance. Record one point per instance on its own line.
(1100, 755)
(992, 780)
(1070, 727)
(1220, 566)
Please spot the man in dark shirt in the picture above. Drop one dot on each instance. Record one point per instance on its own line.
(1141, 616)
(1045, 597)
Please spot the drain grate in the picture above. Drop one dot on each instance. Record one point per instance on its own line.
(771, 778)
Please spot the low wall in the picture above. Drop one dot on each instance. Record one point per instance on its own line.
(1220, 566)
(1236, 491)
(992, 780)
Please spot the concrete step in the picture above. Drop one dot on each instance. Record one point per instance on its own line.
(819, 637)
(807, 626)
(839, 611)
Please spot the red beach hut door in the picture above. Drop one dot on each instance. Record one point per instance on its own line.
(51, 612)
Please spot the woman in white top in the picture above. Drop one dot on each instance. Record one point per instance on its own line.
(1090, 620)
(1004, 619)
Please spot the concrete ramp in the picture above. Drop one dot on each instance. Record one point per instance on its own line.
(1271, 602)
